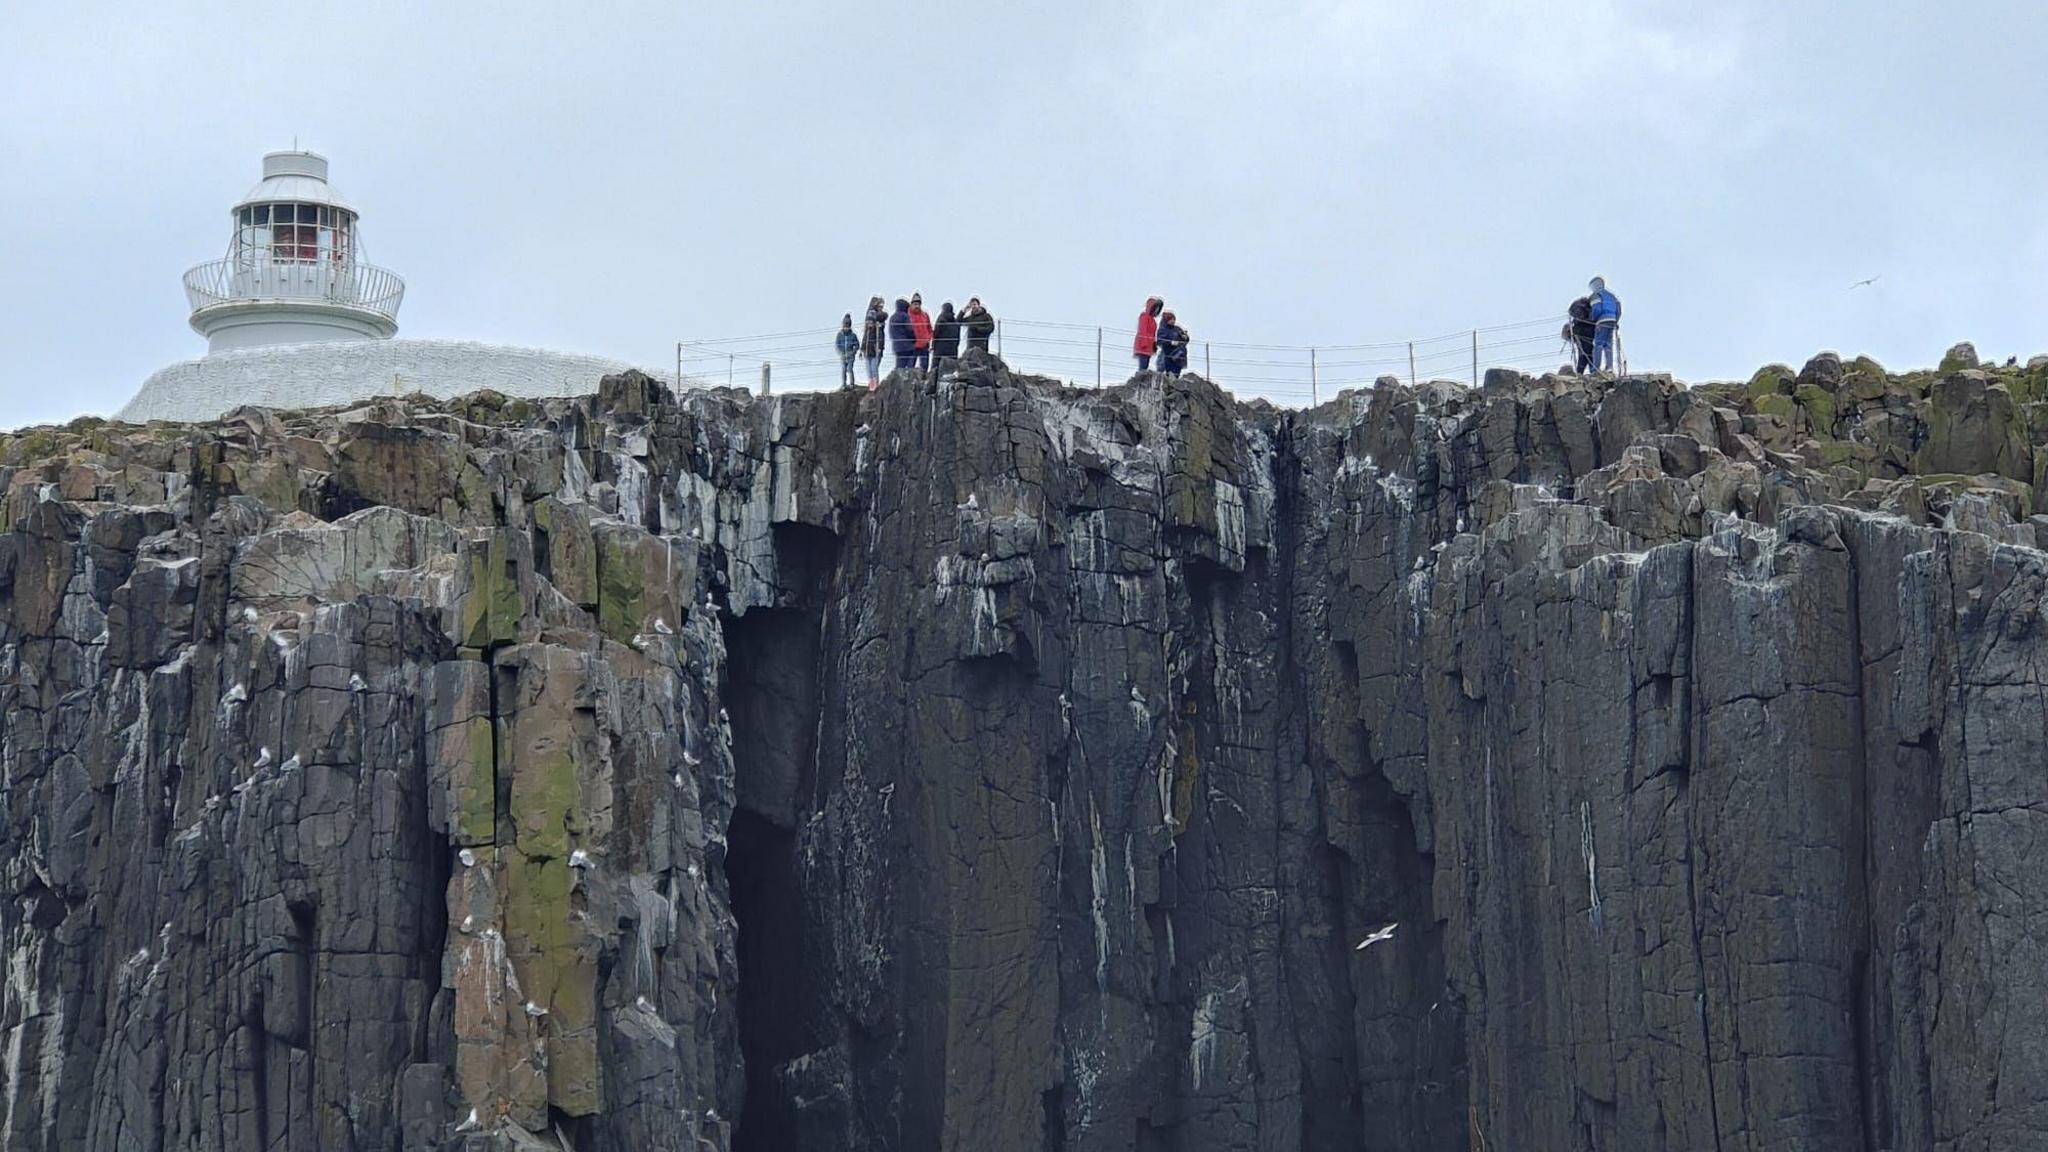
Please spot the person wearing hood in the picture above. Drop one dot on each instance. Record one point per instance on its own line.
(979, 324)
(1578, 332)
(1173, 345)
(921, 331)
(846, 344)
(1148, 332)
(1606, 309)
(874, 340)
(946, 335)
(903, 335)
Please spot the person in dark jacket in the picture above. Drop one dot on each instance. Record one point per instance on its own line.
(979, 324)
(921, 331)
(1173, 346)
(846, 344)
(1578, 330)
(1606, 322)
(946, 335)
(1147, 341)
(874, 340)
(903, 335)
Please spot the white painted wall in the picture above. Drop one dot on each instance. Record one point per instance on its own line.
(320, 375)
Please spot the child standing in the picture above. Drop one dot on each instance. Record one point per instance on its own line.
(847, 344)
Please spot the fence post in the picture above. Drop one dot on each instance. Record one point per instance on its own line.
(1475, 357)
(1098, 357)
(764, 377)
(1411, 363)
(1315, 392)
(1207, 373)
(999, 337)
(728, 369)
(679, 365)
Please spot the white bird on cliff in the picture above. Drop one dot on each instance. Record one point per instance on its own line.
(249, 614)
(235, 695)
(355, 683)
(471, 1124)
(535, 1010)
(640, 641)
(468, 922)
(290, 765)
(1385, 932)
(467, 857)
(579, 859)
(690, 758)
(677, 779)
(661, 626)
(262, 760)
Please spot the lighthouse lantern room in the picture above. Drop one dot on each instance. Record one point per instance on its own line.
(294, 272)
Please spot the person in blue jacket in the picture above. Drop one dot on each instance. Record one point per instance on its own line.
(903, 334)
(1173, 345)
(847, 344)
(1606, 319)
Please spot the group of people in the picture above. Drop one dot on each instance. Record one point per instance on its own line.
(917, 337)
(1590, 330)
(1161, 344)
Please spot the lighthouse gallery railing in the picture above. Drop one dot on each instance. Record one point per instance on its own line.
(243, 279)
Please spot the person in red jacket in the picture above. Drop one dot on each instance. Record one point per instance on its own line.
(921, 326)
(1148, 332)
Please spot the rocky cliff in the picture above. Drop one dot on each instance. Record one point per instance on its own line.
(981, 764)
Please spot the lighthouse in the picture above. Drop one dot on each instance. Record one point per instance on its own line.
(294, 272)
(295, 317)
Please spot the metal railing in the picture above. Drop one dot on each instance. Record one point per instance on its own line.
(235, 280)
(1088, 354)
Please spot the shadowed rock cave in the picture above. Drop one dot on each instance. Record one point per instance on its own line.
(772, 685)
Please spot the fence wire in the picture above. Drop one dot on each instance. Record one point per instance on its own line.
(1087, 355)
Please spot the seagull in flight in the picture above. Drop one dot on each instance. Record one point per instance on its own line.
(1866, 283)
(1384, 932)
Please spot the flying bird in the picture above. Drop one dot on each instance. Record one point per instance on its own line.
(1866, 283)
(1384, 932)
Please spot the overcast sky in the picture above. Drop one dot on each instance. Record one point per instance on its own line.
(611, 177)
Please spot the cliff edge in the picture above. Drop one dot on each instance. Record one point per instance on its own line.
(981, 763)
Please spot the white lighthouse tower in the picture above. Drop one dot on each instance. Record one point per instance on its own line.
(294, 317)
(294, 272)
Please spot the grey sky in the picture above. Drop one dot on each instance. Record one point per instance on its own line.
(611, 177)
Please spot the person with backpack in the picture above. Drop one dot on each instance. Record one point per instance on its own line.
(1148, 332)
(1173, 345)
(980, 326)
(1606, 309)
(921, 330)
(874, 340)
(847, 344)
(903, 335)
(1578, 332)
(946, 335)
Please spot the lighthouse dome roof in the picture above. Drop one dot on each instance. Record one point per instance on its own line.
(296, 178)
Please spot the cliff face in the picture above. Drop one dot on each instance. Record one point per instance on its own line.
(980, 764)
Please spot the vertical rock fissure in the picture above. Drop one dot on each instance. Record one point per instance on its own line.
(1694, 736)
(771, 689)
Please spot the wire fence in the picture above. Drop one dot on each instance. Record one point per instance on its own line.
(1089, 355)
